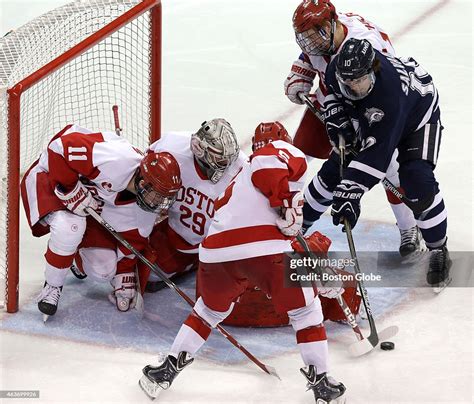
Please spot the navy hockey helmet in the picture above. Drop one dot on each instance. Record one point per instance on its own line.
(354, 68)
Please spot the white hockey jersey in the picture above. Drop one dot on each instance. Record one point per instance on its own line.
(244, 225)
(357, 27)
(191, 214)
(105, 163)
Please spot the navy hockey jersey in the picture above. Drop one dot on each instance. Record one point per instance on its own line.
(403, 100)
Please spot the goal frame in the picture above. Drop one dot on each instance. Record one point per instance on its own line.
(14, 104)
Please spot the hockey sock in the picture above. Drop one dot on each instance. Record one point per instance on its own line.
(313, 346)
(191, 336)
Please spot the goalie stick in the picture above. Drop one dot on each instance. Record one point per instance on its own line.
(416, 206)
(139, 302)
(367, 344)
(156, 270)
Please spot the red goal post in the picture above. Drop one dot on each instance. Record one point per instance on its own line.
(71, 65)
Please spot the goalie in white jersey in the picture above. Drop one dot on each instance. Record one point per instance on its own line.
(320, 33)
(82, 169)
(208, 159)
(255, 222)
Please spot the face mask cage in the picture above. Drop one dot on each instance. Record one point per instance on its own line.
(317, 41)
(356, 89)
(150, 200)
(214, 161)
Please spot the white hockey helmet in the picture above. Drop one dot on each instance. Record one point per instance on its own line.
(215, 147)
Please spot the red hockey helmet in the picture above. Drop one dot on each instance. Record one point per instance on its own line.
(157, 182)
(268, 132)
(314, 23)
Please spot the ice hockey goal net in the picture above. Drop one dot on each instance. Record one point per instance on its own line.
(72, 65)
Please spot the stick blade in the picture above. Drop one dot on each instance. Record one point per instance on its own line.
(272, 371)
(364, 346)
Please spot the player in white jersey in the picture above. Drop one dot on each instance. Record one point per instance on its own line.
(255, 222)
(82, 169)
(208, 159)
(321, 32)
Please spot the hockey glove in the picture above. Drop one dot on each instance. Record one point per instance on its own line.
(291, 215)
(338, 123)
(317, 243)
(299, 81)
(346, 203)
(77, 200)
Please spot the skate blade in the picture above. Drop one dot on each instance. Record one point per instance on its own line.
(364, 346)
(439, 288)
(151, 389)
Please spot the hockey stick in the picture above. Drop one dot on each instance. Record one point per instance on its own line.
(139, 302)
(414, 205)
(342, 303)
(366, 345)
(156, 270)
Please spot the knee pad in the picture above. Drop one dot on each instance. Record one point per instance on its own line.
(211, 316)
(99, 263)
(67, 230)
(306, 316)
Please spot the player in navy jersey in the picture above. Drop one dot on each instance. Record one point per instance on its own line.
(321, 32)
(380, 103)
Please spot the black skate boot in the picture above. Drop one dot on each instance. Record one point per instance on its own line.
(77, 272)
(48, 300)
(411, 241)
(158, 378)
(326, 390)
(440, 264)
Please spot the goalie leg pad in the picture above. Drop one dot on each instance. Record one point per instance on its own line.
(99, 263)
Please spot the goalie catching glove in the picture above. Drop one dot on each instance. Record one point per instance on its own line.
(291, 215)
(300, 81)
(77, 200)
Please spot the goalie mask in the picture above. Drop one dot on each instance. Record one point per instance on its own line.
(157, 182)
(314, 23)
(215, 147)
(269, 132)
(354, 69)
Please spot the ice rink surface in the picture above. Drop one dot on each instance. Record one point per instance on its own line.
(229, 59)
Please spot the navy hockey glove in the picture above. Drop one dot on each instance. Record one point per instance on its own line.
(337, 122)
(346, 203)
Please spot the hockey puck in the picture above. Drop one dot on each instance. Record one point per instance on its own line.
(387, 346)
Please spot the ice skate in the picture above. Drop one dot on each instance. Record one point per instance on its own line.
(77, 272)
(411, 243)
(438, 273)
(155, 379)
(326, 390)
(48, 300)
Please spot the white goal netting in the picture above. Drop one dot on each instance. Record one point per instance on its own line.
(116, 70)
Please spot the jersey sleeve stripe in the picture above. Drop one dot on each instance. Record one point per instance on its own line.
(244, 235)
(267, 162)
